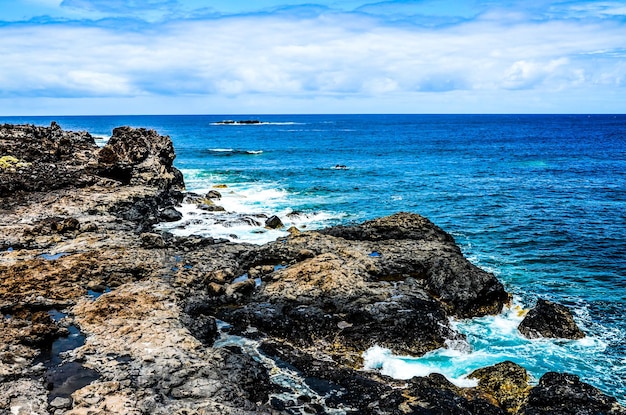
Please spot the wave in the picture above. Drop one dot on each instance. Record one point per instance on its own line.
(101, 139)
(232, 152)
(255, 122)
(494, 339)
(246, 207)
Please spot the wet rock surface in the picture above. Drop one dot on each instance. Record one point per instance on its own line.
(552, 320)
(103, 314)
(565, 394)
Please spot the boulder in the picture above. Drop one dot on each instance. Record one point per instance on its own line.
(170, 214)
(565, 394)
(551, 320)
(274, 222)
(506, 382)
(213, 194)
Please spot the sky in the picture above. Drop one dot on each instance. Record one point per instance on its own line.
(101, 57)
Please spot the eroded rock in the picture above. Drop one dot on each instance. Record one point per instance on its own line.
(549, 319)
(565, 394)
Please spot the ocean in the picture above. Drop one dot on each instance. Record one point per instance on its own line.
(539, 200)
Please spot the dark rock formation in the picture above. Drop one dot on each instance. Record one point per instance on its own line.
(565, 394)
(274, 222)
(170, 214)
(213, 194)
(549, 319)
(364, 393)
(349, 288)
(44, 158)
(140, 157)
(414, 246)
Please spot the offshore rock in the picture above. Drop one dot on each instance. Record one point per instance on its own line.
(551, 320)
(274, 222)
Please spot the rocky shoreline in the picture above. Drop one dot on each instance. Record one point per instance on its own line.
(102, 314)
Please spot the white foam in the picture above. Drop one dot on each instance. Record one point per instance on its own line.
(492, 340)
(403, 367)
(101, 139)
(249, 124)
(247, 207)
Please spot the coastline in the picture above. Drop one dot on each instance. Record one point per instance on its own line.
(167, 294)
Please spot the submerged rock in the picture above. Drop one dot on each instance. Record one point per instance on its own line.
(549, 319)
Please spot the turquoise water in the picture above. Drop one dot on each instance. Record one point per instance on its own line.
(537, 199)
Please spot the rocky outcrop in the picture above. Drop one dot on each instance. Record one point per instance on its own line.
(505, 383)
(137, 156)
(44, 159)
(549, 319)
(67, 239)
(565, 394)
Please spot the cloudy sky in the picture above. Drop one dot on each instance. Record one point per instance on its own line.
(75, 57)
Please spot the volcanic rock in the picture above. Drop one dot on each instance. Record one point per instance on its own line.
(565, 394)
(77, 235)
(274, 222)
(506, 382)
(140, 157)
(549, 319)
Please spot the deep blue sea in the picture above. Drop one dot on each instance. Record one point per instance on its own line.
(539, 200)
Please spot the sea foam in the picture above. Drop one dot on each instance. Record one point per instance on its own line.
(491, 340)
(246, 208)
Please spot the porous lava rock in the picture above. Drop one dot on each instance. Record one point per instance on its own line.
(551, 320)
(565, 394)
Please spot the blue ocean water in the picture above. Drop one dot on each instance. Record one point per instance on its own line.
(540, 200)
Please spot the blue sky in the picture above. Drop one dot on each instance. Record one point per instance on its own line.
(72, 57)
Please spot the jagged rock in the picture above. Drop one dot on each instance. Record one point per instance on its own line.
(404, 246)
(137, 156)
(305, 303)
(48, 158)
(549, 319)
(565, 394)
(324, 297)
(506, 382)
(198, 320)
(274, 222)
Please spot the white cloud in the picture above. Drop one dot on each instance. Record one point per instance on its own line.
(326, 54)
